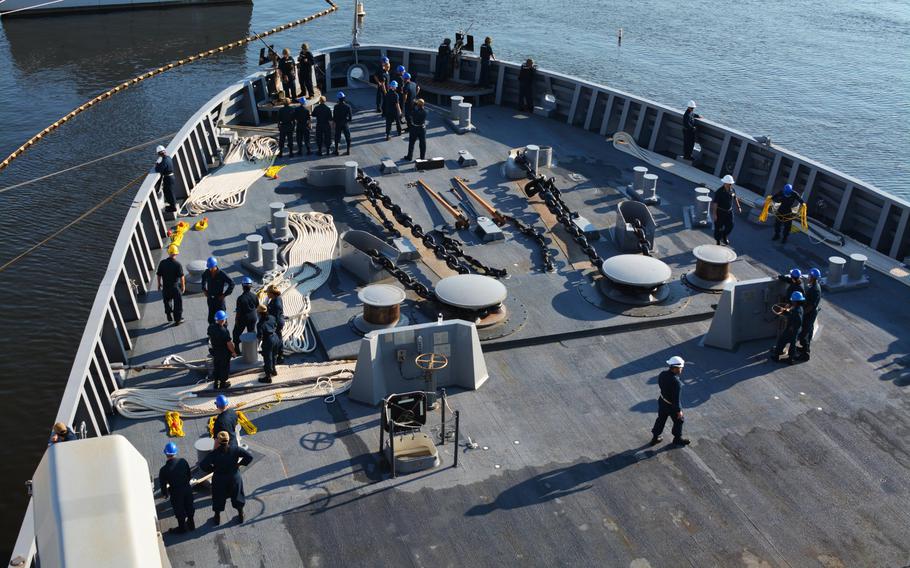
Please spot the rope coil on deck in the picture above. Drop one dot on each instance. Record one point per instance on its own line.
(226, 187)
(149, 74)
(307, 266)
(294, 382)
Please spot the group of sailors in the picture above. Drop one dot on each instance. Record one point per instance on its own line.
(799, 311)
(223, 463)
(397, 96)
(266, 319)
(298, 119)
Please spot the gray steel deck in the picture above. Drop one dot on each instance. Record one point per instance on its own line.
(789, 466)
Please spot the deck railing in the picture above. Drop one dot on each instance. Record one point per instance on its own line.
(133, 261)
(836, 200)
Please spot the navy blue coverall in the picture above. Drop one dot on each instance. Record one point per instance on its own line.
(267, 332)
(668, 404)
(165, 167)
(221, 355)
(213, 286)
(245, 316)
(174, 481)
(224, 463)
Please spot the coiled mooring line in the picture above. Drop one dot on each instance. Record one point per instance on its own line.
(148, 75)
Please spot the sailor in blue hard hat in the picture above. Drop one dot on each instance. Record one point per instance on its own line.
(793, 321)
(794, 280)
(689, 128)
(391, 109)
(409, 93)
(245, 312)
(342, 115)
(222, 349)
(810, 312)
(382, 78)
(789, 203)
(226, 420)
(174, 482)
(668, 405)
(216, 285)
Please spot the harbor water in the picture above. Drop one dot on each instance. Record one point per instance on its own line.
(827, 78)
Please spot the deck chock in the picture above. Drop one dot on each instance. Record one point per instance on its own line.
(430, 164)
(388, 166)
(406, 249)
(488, 230)
(590, 231)
(466, 159)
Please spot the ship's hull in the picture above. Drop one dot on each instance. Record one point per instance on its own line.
(21, 8)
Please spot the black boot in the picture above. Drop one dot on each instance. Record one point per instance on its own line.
(216, 520)
(240, 516)
(775, 237)
(681, 441)
(190, 524)
(169, 316)
(656, 440)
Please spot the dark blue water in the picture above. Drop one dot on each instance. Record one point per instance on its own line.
(829, 79)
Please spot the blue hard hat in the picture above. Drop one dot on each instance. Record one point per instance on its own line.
(407, 75)
(212, 262)
(221, 401)
(394, 84)
(170, 449)
(247, 281)
(220, 315)
(340, 95)
(815, 273)
(797, 296)
(400, 69)
(796, 273)
(788, 189)
(384, 59)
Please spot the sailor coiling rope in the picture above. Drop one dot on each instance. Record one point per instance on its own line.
(307, 264)
(295, 382)
(226, 187)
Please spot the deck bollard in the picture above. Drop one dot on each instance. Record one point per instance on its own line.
(351, 187)
(835, 269)
(855, 266)
(280, 226)
(638, 182)
(702, 206)
(249, 347)
(269, 256)
(649, 188)
(254, 248)
(532, 153)
(455, 101)
(464, 115)
(546, 157)
(275, 207)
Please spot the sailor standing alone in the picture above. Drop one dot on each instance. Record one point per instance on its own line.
(722, 210)
(668, 403)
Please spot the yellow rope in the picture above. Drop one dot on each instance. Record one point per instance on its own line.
(148, 75)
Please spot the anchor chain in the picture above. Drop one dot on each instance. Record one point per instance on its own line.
(551, 195)
(445, 248)
(406, 279)
(533, 233)
(537, 236)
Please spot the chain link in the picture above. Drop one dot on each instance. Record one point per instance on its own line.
(445, 248)
(551, 195)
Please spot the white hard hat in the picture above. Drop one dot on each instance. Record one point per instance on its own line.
(676, 361)
(160, 149)
(691, 104)
(728, 179)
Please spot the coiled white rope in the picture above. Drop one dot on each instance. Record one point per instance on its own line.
(309, 380)
(226, 187)
(315, 239)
